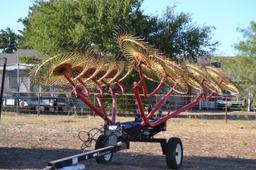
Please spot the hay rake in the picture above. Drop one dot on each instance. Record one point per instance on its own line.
(81, 70)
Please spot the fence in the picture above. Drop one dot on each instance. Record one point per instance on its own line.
(61, 103)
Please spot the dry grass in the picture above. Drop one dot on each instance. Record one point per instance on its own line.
(34, 140)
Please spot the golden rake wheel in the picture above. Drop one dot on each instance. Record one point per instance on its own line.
(46, 74)
(180, 74)
(174, 76)
(89, 67)
(98, 68)
(201, 77)
(133, 46)
(115, 72)
(177, 72)
(84, 66)
(154, 67)
(50, 72)
(225, 83)
(103, 70)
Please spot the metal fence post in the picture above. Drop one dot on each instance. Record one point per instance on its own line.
(226, 111)
(94, 102)
(126, 112)
(18, 85)
(39, 99)
(2, 86)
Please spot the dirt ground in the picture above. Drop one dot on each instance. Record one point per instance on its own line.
(30, 141)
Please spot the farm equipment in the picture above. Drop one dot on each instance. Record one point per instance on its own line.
(80, 71)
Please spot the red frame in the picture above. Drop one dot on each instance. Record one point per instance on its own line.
(146, 118)
(81, 92)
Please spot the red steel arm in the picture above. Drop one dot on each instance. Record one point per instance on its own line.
(176, 112)
(78, 93)
(84, 87)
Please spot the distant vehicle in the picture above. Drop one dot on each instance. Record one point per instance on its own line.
(230, 102)
(207, 104)
(222, 103)
(65, 104)
(8, 101)
(28, 101)
(60, 103)
(35, 104)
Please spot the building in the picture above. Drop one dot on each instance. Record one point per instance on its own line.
(16, 78)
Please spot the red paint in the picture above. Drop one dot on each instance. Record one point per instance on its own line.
(82, 94)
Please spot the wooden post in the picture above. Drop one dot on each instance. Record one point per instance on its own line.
(226, 111)
(94, 103)
(39, 100)
(126, 103)
(248, 104)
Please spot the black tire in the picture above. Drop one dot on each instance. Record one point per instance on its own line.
(100, 143)
(174, 153)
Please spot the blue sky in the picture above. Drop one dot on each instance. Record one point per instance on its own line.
(225, 15)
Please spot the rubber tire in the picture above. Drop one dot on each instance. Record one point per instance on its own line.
(100, 143)
(171, 153)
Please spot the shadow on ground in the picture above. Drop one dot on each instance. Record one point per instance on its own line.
(22, 158)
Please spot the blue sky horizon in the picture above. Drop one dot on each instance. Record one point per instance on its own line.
(226, 16)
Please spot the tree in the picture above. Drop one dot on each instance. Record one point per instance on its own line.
(177, 36)
(57, 26)
(28, 60)
(244, 67)
(247, 47)
(53, 26)
(242, 70)
(8, 40)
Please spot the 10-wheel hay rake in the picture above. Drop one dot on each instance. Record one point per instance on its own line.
(81, 70)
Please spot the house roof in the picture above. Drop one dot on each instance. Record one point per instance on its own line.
(12, 58)
(15, 67)
(27, 52)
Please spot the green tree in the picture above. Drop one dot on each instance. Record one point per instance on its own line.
(8, 40)
(247, 47)
(243, 71)
(243, 68)
(177, 36)
(28, 60)
(56, 26)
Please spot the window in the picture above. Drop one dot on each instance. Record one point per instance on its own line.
(13, 82)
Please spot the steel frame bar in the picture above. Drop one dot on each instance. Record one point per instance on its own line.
(86, 91)
(144, 89)
(78, 93)
(83, 93)
(162, 142)
(114, 97)
(75, 159)
(137, 87)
